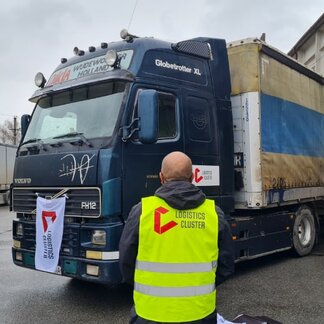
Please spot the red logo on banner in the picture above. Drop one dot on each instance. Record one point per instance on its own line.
(46, 217)
(197, 177)
(157, 221)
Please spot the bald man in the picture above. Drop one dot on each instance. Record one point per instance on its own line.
(175, 248)
(176, 166)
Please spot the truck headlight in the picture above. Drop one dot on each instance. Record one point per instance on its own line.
(19, 256)
(40, 80)
(92, 270)
(98, 237)
(111, 57)
(19, 229)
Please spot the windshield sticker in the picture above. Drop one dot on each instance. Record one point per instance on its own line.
(71, 167)
(88, 67)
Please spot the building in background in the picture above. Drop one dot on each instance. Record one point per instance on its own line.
(309, 50)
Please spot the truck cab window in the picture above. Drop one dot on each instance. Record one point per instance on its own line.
(89, 110)
(167, 116)
(167, 127)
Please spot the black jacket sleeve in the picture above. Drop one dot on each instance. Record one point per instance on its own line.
(128, 245)
(225, 267)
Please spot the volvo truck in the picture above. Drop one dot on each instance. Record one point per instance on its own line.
(250, 118)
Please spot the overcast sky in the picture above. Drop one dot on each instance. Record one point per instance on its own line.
(36, 34)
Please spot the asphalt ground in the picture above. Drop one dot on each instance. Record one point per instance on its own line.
(282, 286)
(286, 288)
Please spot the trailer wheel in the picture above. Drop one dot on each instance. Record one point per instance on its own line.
(304, 232)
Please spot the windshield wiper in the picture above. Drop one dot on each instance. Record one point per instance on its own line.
(32, 140)
(38, 141)
(75, 134)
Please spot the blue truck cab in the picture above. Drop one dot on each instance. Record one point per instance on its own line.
(100, 128)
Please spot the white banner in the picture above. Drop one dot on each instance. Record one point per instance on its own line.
(49, 232)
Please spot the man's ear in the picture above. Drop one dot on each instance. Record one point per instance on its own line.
(192, 177)
(162, 179)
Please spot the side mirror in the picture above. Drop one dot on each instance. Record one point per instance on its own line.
(24, 122)
(148, 116)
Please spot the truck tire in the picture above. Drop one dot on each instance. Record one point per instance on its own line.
(304, 232)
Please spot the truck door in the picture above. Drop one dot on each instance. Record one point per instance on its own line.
(209, 142)
(141, 162)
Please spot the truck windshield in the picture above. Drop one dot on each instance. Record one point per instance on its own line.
(90, 111)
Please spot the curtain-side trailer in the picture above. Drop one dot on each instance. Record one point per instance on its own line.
(278, 126)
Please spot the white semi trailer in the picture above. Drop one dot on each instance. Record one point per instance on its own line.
(7, 161)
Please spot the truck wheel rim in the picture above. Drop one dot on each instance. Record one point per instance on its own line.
(304, 232)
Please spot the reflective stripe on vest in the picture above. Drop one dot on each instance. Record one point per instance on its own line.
(174, 291)
(176, 267)
(176, 263)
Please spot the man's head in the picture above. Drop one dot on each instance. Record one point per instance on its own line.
(176, 166)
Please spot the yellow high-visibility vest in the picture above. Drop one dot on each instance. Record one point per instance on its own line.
(176, 263)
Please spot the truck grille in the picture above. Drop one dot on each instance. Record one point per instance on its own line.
(80, 202)
(70, 239)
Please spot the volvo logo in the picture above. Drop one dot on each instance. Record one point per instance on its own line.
(23, 180)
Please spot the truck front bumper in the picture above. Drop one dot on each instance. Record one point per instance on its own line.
(101, 271)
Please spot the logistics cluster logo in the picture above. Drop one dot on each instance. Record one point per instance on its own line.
(48, 245)
(158, 228)
(187, 220)
(46, 217)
